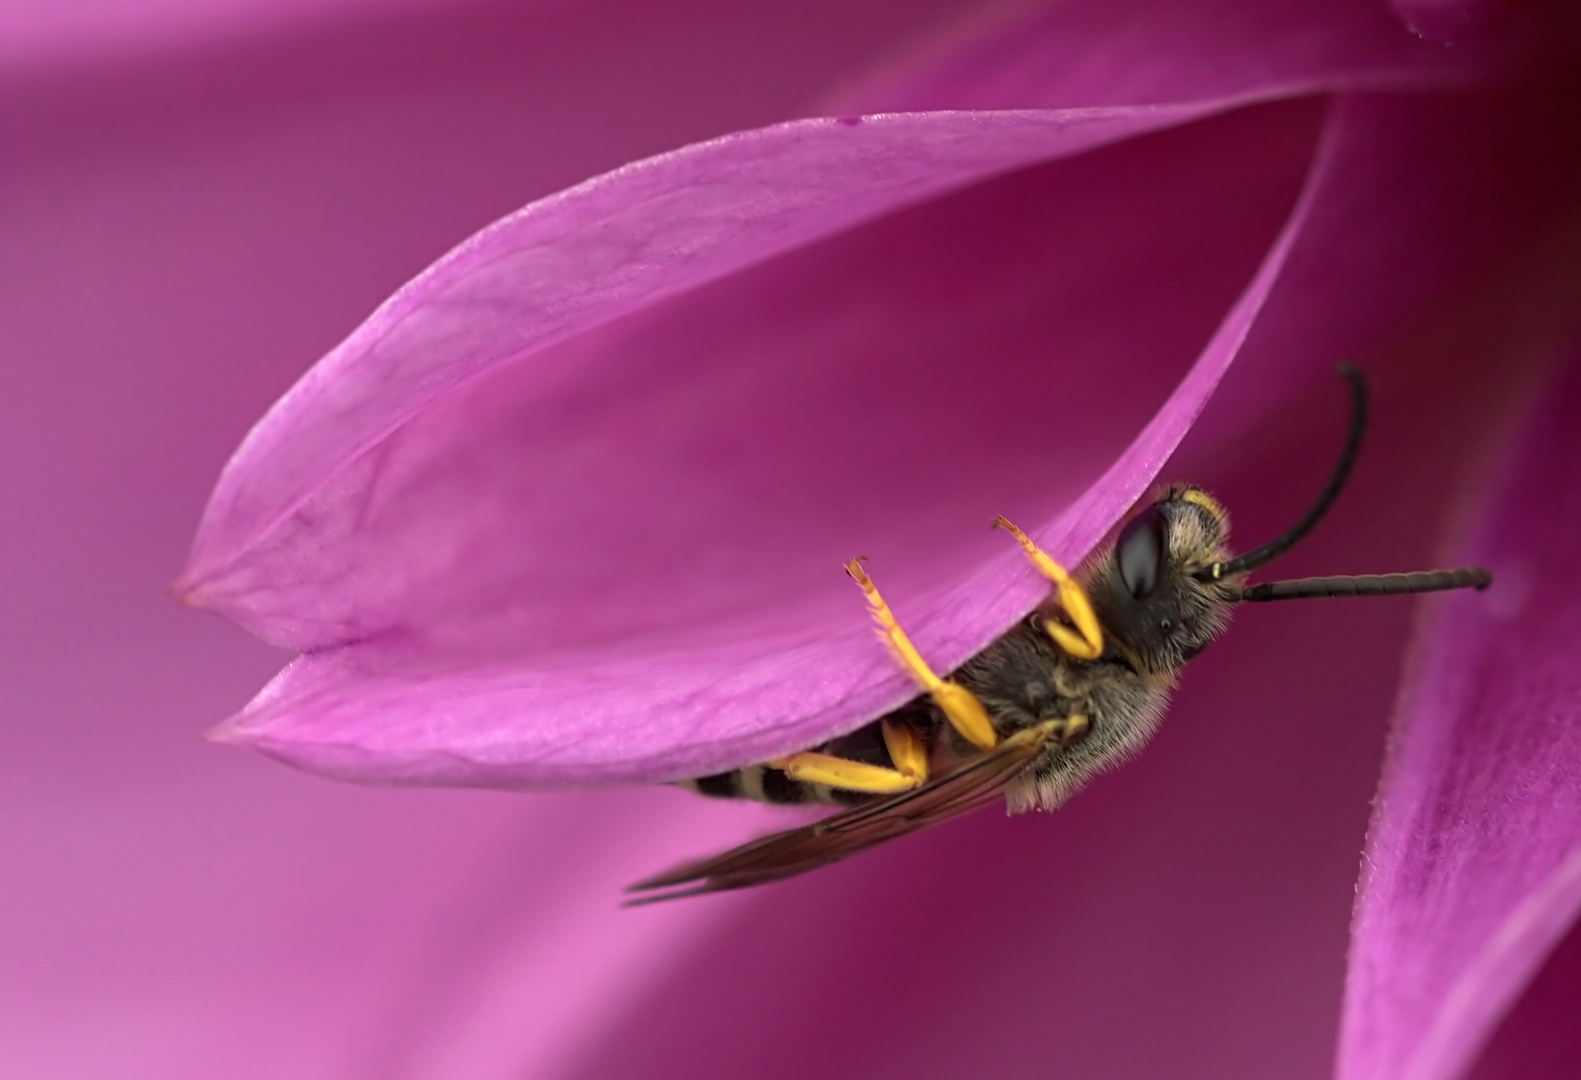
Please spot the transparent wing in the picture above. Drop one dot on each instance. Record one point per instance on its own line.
(972, 783)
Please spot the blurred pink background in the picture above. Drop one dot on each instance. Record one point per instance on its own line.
(196, 202)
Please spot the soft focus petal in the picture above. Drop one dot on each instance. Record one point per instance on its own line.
(40, 34)
(1090, 52)
(1539, 1038)
(1473, 866)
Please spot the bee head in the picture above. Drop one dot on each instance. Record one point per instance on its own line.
(1145, 588)
(1166, 586)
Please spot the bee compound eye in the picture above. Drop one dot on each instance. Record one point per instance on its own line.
(1140, 552)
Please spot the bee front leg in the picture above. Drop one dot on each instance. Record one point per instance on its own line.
(1087, 642)
(960, 707)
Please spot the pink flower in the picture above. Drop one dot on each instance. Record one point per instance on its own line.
(570, 508)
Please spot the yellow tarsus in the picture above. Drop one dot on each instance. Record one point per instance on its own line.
(964, 712)
(906, 750)
(1087, 642)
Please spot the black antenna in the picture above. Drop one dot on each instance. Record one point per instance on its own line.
(1279, 545)
(1470, 577)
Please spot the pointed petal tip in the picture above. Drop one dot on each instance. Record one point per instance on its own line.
(231, 731)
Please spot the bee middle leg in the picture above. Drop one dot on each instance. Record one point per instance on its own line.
(960, 707)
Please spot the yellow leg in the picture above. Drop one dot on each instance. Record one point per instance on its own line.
(1087, 642)
(1073, 729)
(815, 768)
(906, 750)
(908, 753)
(964, 712)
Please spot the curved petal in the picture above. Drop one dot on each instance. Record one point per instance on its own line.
(558, 268)
(727, 538)
(1473, 865)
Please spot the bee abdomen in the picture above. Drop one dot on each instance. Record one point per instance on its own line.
(725, 785)
(762, 783)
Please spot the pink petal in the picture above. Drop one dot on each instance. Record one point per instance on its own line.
(646, 491)
(559, 268)
(1473, 866)
(387, 710)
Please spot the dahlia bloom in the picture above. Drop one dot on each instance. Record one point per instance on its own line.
(568, 511)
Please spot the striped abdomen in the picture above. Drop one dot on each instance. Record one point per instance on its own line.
(766, 784)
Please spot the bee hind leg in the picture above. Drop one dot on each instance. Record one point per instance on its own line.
(960, 707)
(906, 750)
(1086, 643)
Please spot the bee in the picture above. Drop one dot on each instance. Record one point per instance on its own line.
(1075, 688)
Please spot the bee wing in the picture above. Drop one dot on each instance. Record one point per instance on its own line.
(966, 786)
